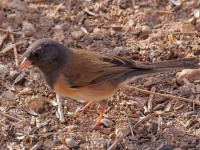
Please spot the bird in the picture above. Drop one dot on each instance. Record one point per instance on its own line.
(91, 76)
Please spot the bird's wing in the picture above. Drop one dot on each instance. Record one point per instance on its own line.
(86, 68)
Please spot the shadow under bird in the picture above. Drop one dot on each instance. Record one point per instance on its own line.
(91, 76)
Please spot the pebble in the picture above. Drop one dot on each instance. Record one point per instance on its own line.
(189, 74)
(107, 122)
(71, 142)
(101, 142)
(198, 27)
(96, 30)
(36, 103)
(17, 4)
(146, 29)
(117, 50)
(122, 3)
(138, 28)
(59, 33)
(25, 91)
(77, 34)
(72, 127)
(2, 17)
(154, 127)
(131, 146)
(187, 27)
(107, 131)
(28, 28)
(167, 147)
(15, 18)
(3, 71)
(9, 95)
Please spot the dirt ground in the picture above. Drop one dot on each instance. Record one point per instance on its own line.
(142, 30)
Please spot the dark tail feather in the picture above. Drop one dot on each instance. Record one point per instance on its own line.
(165, 66)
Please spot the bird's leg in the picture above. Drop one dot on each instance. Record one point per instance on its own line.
(101, 111)
(85, 108)
(103, 106)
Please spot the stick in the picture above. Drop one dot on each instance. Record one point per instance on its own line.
(128, 130)
(166, 95)
(14, 48)
(17, 33)
(186, 33)
(9, 117)
(60, 109)
(130, 126)
(37, 146)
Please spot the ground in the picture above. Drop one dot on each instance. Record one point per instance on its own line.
(141, 30)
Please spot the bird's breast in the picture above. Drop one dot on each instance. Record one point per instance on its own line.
(93, 92)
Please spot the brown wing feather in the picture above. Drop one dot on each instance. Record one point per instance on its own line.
(92, 67)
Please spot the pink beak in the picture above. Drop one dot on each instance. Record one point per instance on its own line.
(25, 63)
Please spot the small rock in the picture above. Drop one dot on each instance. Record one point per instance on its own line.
(8, 94)
(101, 142)
(146, 29)
(15, 18)
(71, 142)
(138, 28)
(190, 74)
(13, 73)
(59, 33)
(36, 103)
(107, 131)
(2, 17)
(48, 143)
(154, 127)
(131, 146)
(25, 91)
(131, 23)
(107, 122)
(77, 34)
(167, 147)
(96, 30)
(28, 28)
(198, 27)
(17, 4)
(187, 27)
(3, 71)
(117, 50)
(155, 54)
(72, 127)
(36, 76)
(122, 3)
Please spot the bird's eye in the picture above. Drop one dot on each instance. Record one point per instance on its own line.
(36, 55)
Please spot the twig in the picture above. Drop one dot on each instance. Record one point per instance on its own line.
(60, 109)
(165, 95)
(133, 3)
(186, 33)
(131, 129)
(163, 12)
(10, 46)
(9, 117)
(18, 116)
(17, 33)
(128, 130)
(14, 48)
(151, 97)
(37, 146)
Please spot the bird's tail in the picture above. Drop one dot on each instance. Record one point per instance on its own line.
(187, 63)
(141, 69)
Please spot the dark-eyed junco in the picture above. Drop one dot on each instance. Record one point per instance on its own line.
(91, 76)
